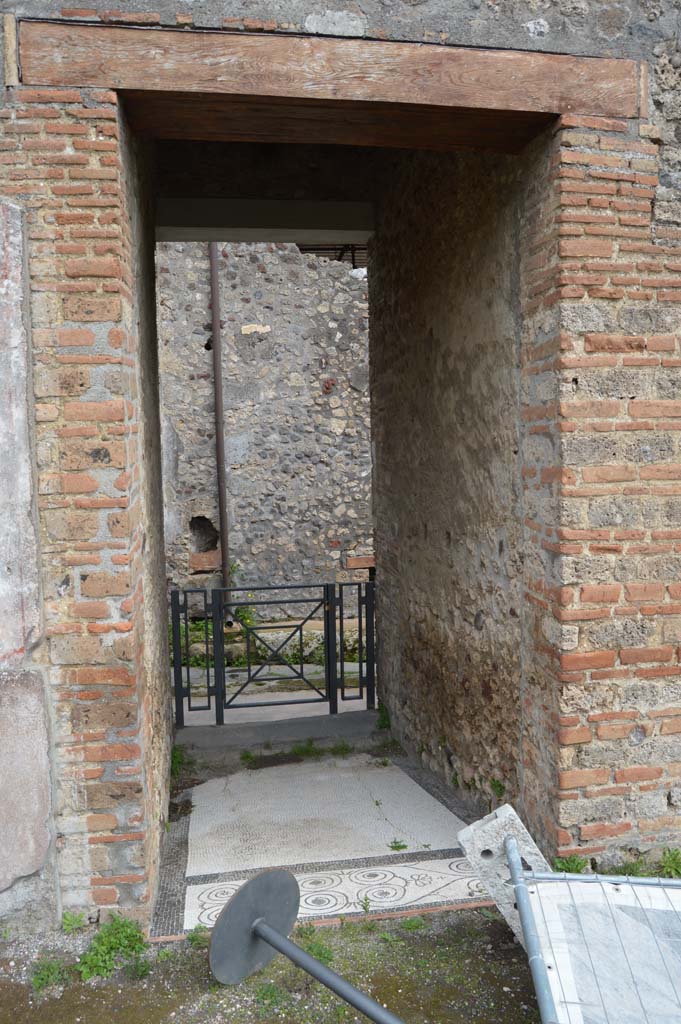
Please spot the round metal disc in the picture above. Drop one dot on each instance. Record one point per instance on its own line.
(234, 951)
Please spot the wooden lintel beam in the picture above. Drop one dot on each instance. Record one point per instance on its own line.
(52, 53)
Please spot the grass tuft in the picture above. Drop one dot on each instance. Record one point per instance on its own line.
(119, 941)
(307, 749)
(572, 865)
(199, 937)
(73, 922)
(49, 972)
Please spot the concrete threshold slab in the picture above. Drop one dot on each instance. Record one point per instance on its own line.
(353, 726)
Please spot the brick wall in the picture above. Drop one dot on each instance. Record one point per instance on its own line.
(583, 726)
(616, 551)
(61, 159)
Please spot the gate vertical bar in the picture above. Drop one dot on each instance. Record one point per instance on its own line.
(218, 655)
(177, 658)
(370, 611)
(331, 659)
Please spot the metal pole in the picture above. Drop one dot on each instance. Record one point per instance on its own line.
(217, 612)
(370, 609)
(565, 876)
(540, 976)
(219, 411)
(365, 1004)
(331, 653)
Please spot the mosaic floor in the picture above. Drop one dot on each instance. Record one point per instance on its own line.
(354, 890)
(360, 835)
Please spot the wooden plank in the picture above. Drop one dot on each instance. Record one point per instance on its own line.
(206, 117)
(326, 69)
(360, 562)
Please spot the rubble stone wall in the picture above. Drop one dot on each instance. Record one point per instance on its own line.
(296, 407)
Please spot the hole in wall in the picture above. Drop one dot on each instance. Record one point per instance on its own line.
(204, 536)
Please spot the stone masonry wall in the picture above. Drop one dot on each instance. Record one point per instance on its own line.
(445, 390)
(296, 402)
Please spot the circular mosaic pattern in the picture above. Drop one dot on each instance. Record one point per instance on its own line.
(370, 876)
(316, 882)
(213, 900)
(386, 892)
(323, 902)
(460, 866)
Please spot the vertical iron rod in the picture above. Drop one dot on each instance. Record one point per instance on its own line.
(219, 411)
(177, 658)
(218, 655)
(330, 647)
(540, 975)
(362, 1002)
(370, 655)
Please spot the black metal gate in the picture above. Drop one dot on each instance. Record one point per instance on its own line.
(243, 647)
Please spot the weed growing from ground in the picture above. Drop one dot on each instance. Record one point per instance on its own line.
(72, 922)
(179, 761)
(247, 758)
(117, 942)
(670, 865)
(383, 720)
(498, 788)
(573, 865)
(305, 933)
(397, 845)
(48, 972)
(365, 903)
(341, 749)
(319, 950)
(138, 968)
(632, 868)
(307, 749)
(412, 924)
(198, 937)
(270, 995)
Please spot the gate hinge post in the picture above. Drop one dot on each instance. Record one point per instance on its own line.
(330, 652)
(218, 655)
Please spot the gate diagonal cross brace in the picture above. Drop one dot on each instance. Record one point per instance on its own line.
(258, 646)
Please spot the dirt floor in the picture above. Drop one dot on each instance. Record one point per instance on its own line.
(459, 967)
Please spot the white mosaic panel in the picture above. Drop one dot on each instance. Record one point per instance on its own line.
(353, 890)
(333, 810)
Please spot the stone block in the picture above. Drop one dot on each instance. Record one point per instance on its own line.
(483, 844)
(25, 774)
(20, 604)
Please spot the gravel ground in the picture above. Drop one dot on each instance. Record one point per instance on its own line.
(459, 967)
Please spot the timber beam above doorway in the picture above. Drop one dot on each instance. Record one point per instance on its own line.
(325, 69)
